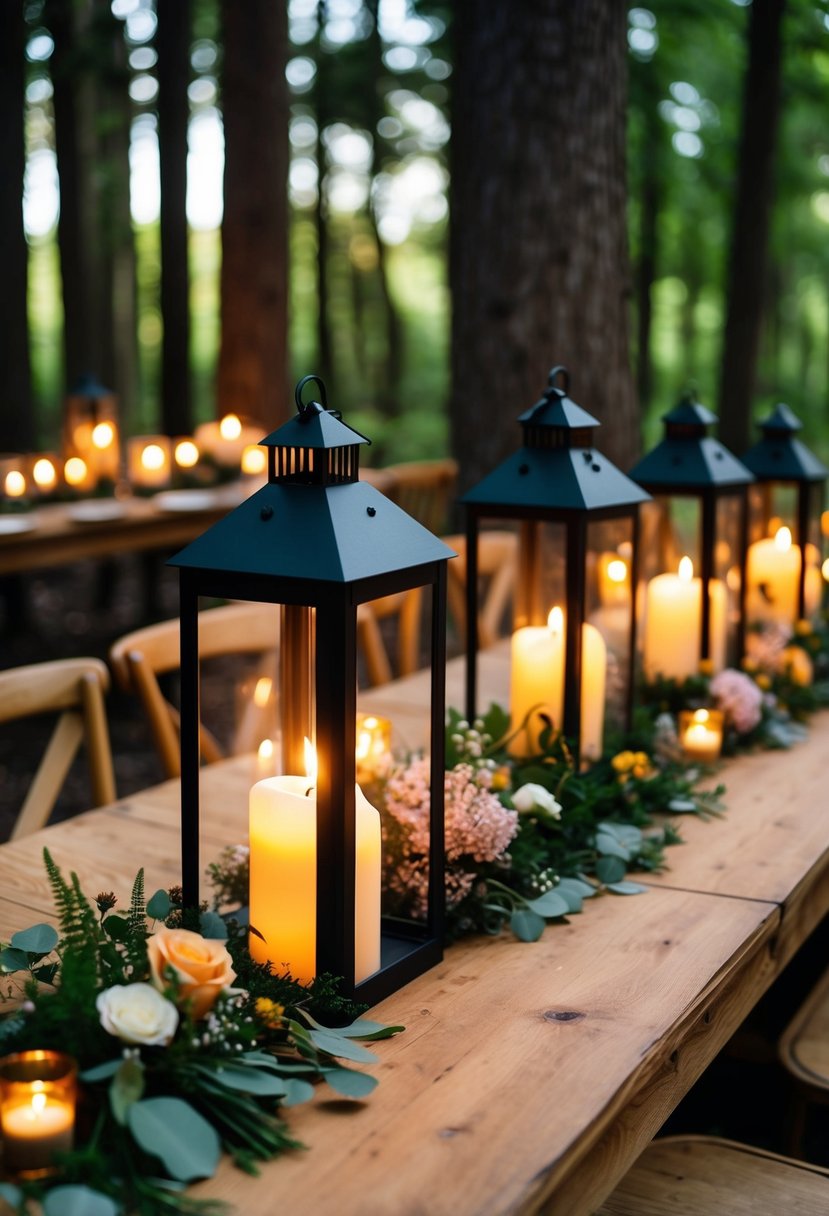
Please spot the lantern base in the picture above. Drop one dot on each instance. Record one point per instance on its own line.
(403, 959)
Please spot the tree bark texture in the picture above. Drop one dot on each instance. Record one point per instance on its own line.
(17, 424)
(538, 248)
(253, 372)
(752, 210)
(173, 42)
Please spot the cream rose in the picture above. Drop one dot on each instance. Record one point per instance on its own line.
(137, 1013)
(202, 966)
(532, 797)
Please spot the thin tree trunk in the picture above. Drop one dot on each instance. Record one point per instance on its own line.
(538, 248)
(173, 42)
(17, 422)
(252, 377)
(749, 241)
(325, 345)
(650, 203)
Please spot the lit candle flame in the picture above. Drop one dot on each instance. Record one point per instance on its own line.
(783, 540)
(700, 715)
(15, 484)
(75, 471)
(44, 473)
(230, 427)
(617, 570)
(152, 457)
(38, 1103)
(262, 691)
(310, 761)
(686, 569)
(555, 621)
(266, 749)
(186, 454)
(103, 435)
(253, 459)
(825, 569)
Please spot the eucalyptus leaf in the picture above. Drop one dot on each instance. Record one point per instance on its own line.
(549, 904)
(101, 1072)
(78, 1201)
(627, 888)
(39, 939)
(627, 833)
(610, 869)
(11, 1194)
(213, 926)
(335, 1045)
(572, 899)
(159, 906)
(526, 924)
(252, 1080)
(369, 1031)
(578, 886)
(350, 1083)
(297, 1091)
(611, 846)
(126, 1088)
(170, 1129)
(682, 805)
(13, 960)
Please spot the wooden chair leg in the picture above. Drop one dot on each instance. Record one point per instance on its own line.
(99, 752)
(54, 766)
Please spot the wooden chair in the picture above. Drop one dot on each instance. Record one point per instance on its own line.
(425, 490)
(75, 689)
(406, 606)
(138, 658)
(497, 565)
(804, 1053)
(705, 1176)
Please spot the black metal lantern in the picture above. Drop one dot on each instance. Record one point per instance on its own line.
(783, 575)
(318, 542)
(693, 545)
(577, 519)
(90, 429)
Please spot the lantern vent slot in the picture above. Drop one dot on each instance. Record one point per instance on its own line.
(552, 437)
(316, 466)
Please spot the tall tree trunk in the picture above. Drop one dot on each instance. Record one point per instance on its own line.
(253, 373)
(538, 248)
(173, 42)
(325, 344)
(749, 241)
(17, 423)
(650, 207)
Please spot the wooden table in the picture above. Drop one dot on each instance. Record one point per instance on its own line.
(530, 1076)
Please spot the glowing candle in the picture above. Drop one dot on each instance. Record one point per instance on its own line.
(283, 876)
(149, 461)
(700, 733)
(373, 747)
(37, 1113)
(254, 460)
(77, 473)
(772, 579)
(186, 454)
(14, 484)
(44, 474)
(673, 606)
(613, 579)
(537, 680)
(226, 440)
(103, 453)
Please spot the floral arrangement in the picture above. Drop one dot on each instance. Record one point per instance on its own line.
(186, 1048)
(784, 679)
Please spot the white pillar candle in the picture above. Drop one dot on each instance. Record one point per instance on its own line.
(673, 607)
(772, 579)
(283, 878)
(537, 680)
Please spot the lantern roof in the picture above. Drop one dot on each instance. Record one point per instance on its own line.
(557, 468)
(89, 386)
(779, 455)
(314, 519)
(688, 459)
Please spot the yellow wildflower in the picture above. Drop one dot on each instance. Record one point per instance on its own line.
(623, 761)
(803, 628)
(749, 664)
(797, 665)
(500, 778)
(763, 681)
(270, 1013)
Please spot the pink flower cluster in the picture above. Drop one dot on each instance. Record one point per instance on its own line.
(739, 698)
(765, 647)
(477, 828)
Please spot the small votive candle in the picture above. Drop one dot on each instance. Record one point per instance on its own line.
(700, 734)
(149, 462)
(372, 752)
(38, 1091)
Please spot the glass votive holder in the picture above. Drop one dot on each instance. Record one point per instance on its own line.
(38, 1091)
(700, 734)
(373, 748)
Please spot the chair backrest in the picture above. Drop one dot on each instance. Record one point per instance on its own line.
(138, 658)
(73, 688)
(497, 565)
(424, 489)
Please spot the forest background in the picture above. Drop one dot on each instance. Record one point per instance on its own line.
(427, 204)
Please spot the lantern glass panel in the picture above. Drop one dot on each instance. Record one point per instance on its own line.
(609, 608)
(724, 588)
(541, 582)
(671, 530)
(772, 505)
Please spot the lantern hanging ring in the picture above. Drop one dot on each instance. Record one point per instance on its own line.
(560, 370)
(307, 409)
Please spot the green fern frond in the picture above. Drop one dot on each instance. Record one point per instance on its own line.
(135, 948)
(138, 912)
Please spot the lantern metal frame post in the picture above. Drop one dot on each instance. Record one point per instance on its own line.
(690, 464)
(556, 477)
(780, 458)
(315, 537)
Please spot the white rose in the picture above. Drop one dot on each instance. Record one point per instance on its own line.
(137, 1013)
(532, 797)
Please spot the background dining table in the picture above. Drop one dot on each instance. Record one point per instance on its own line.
(529, 1076)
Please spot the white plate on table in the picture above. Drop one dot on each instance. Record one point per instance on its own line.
(10, 525)
(185, 500)
(96, 511)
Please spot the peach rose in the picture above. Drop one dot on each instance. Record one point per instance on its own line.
(202, 966)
